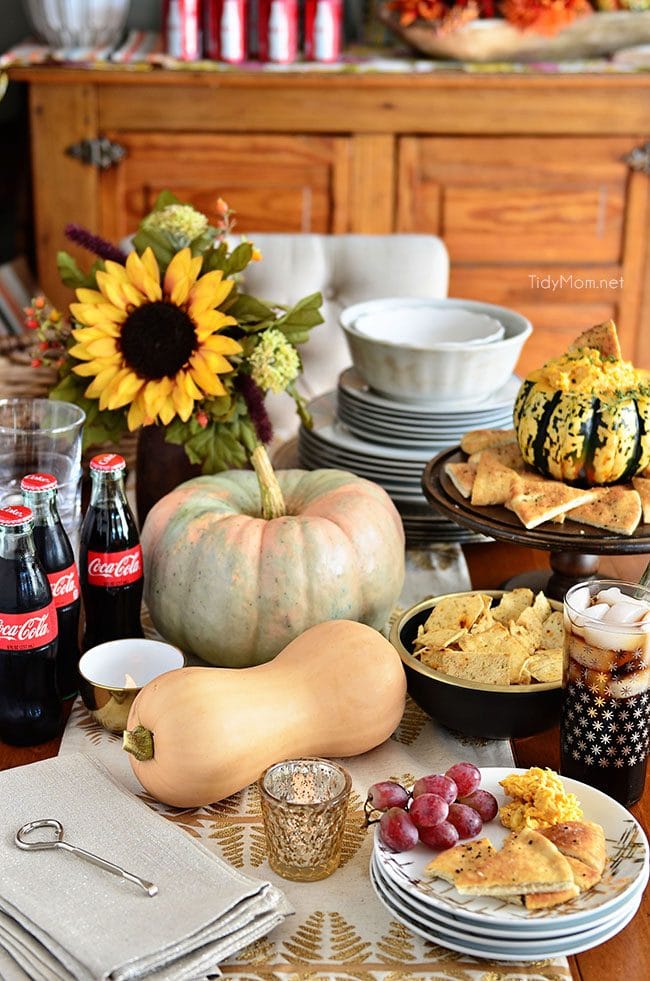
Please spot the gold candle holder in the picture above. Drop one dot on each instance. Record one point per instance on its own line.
(304, 807)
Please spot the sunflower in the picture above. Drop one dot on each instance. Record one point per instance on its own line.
(154, 347)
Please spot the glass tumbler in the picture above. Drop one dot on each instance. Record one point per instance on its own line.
(304, 806)
(606, 679)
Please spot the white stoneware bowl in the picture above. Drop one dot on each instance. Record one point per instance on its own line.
(399, 356)
(79, 23)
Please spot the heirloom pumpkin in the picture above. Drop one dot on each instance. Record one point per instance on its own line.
(239, 563)
(197, 735)
(584, 418)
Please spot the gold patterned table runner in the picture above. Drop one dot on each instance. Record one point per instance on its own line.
(340, 931)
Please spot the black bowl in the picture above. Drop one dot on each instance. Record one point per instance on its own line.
(487, 711)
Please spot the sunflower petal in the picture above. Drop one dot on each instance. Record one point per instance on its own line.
(221, 345)
(144, 274)
(101, 381)
(167, 411)
(183, 403)
(112, 290)
(178, 278)
(136, 416)
(101, 347)
(209, 292)
(204, 377)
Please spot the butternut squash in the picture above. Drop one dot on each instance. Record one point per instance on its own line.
(199, 734)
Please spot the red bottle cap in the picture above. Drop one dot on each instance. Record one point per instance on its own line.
(39, 482)
(108, 462)
(15, 514)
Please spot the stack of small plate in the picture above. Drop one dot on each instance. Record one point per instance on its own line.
(390, 443)
(374, 417)
(496, 929)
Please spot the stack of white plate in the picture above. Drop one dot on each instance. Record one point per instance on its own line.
(390, 443)
(496, 929)
(374, 417)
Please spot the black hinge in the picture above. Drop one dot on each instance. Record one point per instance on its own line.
(100, 152)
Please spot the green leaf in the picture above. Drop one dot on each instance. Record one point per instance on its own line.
(239, 258)
(71, 275)
(248, 310)
(158, 242)
(299, 320)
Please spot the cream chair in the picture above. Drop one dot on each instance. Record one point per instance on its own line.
(346, 269)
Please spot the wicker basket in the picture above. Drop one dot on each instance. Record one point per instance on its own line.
(18, 378)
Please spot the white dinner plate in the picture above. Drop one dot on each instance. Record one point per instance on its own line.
(627, 849)
(532, 950)
(486, 929)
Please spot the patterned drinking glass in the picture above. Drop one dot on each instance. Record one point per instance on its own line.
(304, 806)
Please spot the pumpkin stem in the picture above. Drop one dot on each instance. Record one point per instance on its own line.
(138, 742)
(273, 505)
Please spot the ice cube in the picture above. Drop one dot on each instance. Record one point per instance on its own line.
(581, 599)
(624, 612)
(596, 612)
(615, 640)
(614, 595)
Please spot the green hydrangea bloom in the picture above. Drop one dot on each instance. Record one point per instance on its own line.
(274, 362)
(180, 221)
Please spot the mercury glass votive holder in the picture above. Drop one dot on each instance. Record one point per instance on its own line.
(304, 807)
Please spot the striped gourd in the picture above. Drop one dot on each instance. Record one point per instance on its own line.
(581, 437)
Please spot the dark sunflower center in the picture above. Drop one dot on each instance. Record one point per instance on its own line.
(157, 339)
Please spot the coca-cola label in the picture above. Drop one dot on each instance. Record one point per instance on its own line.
(115, 568)
(24, 631)
(64, 585)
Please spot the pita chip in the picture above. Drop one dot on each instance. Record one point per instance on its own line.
(617, 509)
(524, 865)
(642, 487)
(603, 337)
(508, 454)
(462, 477)
(450, 863)
(493, 483)
(583, 840)
(545, 499)
(482, 439)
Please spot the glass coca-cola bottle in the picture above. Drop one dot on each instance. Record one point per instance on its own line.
(55, 552)
(110, 557)
(30, 706)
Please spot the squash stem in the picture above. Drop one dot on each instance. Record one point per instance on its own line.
(273, 505)
(138, 742)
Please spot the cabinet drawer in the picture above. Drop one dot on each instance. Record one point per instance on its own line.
(516, 200)
(274, 183)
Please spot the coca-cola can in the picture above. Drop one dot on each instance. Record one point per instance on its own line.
(323, 30)
(181, 26)
(225, 28)
(278, 31)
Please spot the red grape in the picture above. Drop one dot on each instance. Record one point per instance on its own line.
(466, 776)
(387, 794)
(483, 802)
(438, 784)
(465, 819)
(397, 831)
(427, 810)
(443, 835)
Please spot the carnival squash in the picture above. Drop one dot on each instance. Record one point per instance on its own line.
(197, 735)
(227, 584)
(584, 418)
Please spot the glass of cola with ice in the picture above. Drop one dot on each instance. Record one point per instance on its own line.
(606, 679)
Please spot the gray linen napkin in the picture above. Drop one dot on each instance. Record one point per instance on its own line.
(61, 917)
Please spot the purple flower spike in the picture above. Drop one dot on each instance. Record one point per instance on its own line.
(256, 409)
(94, 243)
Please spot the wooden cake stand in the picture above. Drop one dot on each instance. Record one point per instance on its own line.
(574, 548)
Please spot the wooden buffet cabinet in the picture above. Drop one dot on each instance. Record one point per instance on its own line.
(539, 184)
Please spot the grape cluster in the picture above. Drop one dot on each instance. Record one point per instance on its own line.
(440, 810)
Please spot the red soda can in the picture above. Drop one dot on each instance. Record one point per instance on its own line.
(30, 705)
(278, 31)
(110, 557)
(181, 26)
(323, 28)
(225, 30)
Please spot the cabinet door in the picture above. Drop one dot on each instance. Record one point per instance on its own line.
(553, 227)
(274, 183)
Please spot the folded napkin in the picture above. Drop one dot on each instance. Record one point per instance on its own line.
(63, 918)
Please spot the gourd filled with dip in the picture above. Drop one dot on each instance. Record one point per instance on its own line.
(584, 418)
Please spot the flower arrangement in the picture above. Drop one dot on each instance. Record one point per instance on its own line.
(542, 16)
(164, 336)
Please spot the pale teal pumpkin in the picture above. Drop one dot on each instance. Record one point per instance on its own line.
(234, 588)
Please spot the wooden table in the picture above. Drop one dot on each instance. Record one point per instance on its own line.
(627, 955)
